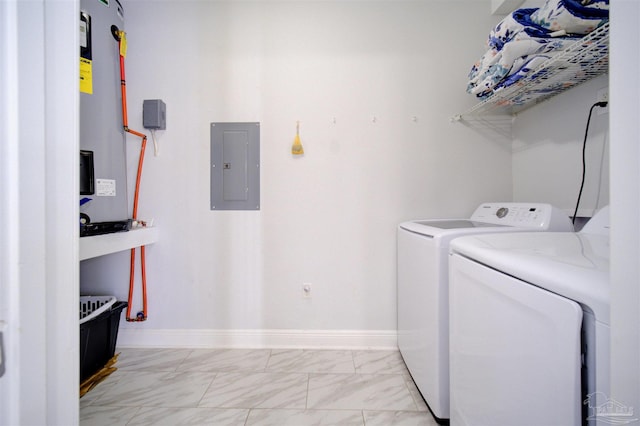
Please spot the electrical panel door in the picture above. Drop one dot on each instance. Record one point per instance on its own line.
(235, 166)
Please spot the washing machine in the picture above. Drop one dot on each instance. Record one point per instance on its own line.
(529, 328)
(422, 284)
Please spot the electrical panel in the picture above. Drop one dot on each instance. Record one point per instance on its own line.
(235, 166)
(154, 114)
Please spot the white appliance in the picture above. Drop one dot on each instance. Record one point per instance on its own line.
(529, 328)
(423, 296)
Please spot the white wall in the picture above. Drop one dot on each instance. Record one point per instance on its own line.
(38, 212)
(625, 204)
(547, 151)
(329, 217)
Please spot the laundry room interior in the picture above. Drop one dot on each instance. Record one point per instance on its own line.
(377, 93)
(373, 86)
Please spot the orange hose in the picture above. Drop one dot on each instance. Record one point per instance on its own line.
(125, 124)
(139, 174)
(132, 267)
(143, 270)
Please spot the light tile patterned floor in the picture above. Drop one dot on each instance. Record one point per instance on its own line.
(256, 387)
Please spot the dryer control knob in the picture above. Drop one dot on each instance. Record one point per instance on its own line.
(502, 212)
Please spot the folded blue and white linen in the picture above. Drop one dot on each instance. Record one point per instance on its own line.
(528, 37)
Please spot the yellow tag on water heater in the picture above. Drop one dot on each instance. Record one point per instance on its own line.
(123, 44)
(86, 76)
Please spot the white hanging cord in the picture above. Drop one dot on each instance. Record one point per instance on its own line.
(156, 149)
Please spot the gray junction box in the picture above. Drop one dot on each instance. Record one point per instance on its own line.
(235, 166)
(154, 114)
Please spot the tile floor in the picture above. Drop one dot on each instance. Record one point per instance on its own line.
(256, 387)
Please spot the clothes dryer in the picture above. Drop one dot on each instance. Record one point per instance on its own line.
(529, 328)
(422, 281)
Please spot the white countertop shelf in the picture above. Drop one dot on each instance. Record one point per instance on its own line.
(585, 59)
(99, 245)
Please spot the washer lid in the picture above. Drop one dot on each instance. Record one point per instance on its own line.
(434, 227)
(454, 224)
(573, 265)
(444, 230)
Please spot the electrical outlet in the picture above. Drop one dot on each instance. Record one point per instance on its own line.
(306, 290)
(603, 96)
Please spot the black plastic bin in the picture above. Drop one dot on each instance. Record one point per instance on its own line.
(98, 335)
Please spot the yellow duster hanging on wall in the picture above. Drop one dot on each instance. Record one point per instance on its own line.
(297, 149)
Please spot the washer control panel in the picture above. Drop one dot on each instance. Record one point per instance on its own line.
(528, 215)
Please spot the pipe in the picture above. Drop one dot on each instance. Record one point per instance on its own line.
(141, 316)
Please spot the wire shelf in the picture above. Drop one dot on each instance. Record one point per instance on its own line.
(585, 59)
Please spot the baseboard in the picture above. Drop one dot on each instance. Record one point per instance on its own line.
(312, 339)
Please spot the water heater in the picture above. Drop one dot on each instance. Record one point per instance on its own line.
(101, 130)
